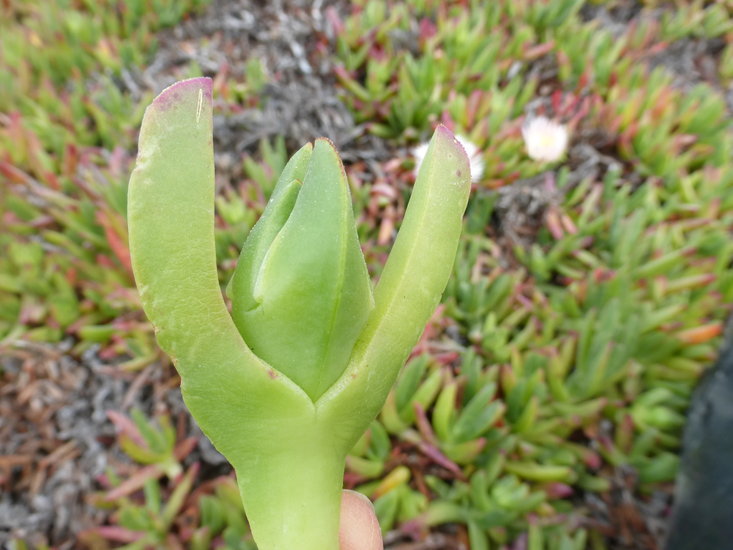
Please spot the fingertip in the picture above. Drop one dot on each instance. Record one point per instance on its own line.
(359, 529)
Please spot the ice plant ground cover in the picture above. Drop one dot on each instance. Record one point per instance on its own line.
(544, 404)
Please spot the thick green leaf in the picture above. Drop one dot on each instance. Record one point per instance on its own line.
(310, 292)
(264, 232)
(265, 425)
(410, 288)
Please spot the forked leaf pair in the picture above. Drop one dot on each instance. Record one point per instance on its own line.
(286, 384)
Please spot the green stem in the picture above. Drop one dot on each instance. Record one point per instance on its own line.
(292, 497)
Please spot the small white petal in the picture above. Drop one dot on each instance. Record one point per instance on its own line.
(419, 153)
(472, 151)
(546, 140)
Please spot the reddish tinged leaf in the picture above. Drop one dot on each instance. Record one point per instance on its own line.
(125, 426)
(117, 243)
(447, 121)
(134, 482)
(70, 160)
(52, 180)
(472, 106)
(701, 334)
(117, 534)
(592, 459)
(552, 221)
(427, 29)
(556, 98)
(440, 459)
(539, 50)
(14, 174)
(423, 425)
(558, 490)
(568, 224)
(334, 20)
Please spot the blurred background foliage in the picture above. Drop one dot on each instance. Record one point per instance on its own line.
(589, 294)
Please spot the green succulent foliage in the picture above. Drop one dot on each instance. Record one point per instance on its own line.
(585, 327)
(286, 384)
(62, 185)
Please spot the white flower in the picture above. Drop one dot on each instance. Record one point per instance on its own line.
(474, 155)
(546, 140)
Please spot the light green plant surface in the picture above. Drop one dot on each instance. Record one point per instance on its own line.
(317, 355)
(577, 354)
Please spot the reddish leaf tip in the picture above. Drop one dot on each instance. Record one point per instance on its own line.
(444, 133)
(182, 89)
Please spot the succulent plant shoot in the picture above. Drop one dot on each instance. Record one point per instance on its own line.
(287, 383)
